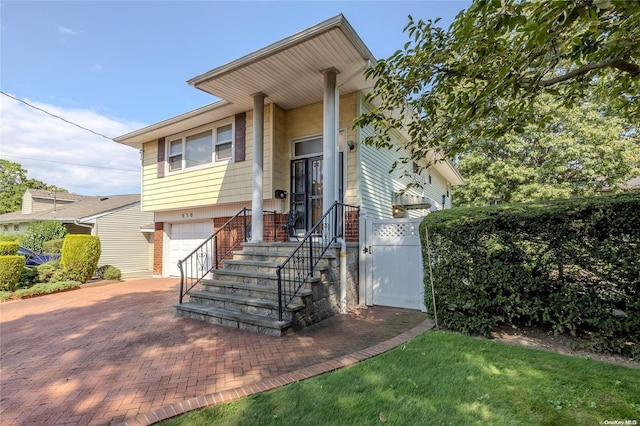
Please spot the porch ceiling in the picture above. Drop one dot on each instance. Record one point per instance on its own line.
(289, 72)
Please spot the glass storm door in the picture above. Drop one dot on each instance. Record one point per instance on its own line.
(306, 190)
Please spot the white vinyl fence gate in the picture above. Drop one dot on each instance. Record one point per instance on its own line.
(391, 259)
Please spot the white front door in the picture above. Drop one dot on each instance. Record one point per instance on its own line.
(186, 237)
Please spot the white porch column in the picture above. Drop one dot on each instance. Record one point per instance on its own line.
(329, 140)
(258, 148)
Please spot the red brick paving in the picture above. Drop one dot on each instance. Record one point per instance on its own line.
(117, 353)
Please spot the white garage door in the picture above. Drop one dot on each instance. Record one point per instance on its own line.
(186, 237)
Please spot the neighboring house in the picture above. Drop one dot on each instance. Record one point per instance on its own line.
(125, 231)
(281, 138)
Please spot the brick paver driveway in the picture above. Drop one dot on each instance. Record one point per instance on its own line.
(104, 354)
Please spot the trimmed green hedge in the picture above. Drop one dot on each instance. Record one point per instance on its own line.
(53, 246)
(45, 288)
(8, 248)
(10, 269)
(568, 265)
(80, 255)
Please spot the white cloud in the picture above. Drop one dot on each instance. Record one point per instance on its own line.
(61, 154)
(69, 31)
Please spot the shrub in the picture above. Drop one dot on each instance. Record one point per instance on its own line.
(46, 271)
(108, 272)
(40, 232)
(80, 255)
(53, 246)
(28, 277)
(111, 273)
(5, 236)
(567, 265)
(45, 288)
(10, 269)
(8, 248)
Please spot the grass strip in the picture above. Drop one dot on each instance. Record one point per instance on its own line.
(442, 379)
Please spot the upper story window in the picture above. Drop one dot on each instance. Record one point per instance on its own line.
(224, 142)
(201, 148)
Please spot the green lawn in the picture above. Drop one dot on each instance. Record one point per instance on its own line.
(446, 379)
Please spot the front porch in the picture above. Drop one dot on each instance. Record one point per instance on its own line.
(276, 286)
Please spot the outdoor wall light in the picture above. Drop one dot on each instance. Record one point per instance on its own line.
(351, 145)
(281, 193)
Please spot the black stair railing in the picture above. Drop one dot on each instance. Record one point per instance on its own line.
(301, 264)
(210, 255)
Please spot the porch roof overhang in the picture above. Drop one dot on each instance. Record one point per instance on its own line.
(289, 72)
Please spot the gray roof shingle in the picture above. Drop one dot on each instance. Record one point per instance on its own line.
(83, 208)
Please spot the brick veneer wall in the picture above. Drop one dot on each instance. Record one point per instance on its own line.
(158, 240)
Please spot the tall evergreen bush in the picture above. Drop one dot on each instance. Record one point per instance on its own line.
(80, 255)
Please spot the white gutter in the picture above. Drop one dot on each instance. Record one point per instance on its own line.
(83, 225)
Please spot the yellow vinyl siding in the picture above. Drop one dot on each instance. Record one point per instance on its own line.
(348, 112)
(225, 183)
(281, 154)
(231, 183)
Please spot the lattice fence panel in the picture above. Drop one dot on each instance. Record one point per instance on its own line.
(395, 230)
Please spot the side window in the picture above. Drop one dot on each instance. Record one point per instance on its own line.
(224, 142)
(175, 155)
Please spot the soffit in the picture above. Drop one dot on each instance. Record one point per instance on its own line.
(290, 72)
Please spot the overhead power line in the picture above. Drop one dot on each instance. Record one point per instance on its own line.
(70, 164)
(56, 116)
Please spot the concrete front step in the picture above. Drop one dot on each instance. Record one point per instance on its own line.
(235, 319)
(249, 290)
(275, 256)
(244, 294)
(258, 277)
(250, 305)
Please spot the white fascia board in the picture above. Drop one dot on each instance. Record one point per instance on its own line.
(129, 138)
(338, 21)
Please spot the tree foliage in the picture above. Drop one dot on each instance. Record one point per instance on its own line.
(480, 78)
(13, 184)
(39, 233)
(580, 152)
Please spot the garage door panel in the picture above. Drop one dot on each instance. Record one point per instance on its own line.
(186, 237)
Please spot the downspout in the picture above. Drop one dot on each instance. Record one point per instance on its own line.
(343, 275)
(83, 225)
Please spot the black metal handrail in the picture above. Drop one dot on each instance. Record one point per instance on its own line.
(209, 255)
(301, 264)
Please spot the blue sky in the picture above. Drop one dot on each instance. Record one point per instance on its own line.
(114, 67)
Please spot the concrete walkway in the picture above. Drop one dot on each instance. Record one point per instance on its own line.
(116, 353)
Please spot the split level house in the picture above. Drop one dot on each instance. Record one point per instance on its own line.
(125, 231)
(272, 179)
